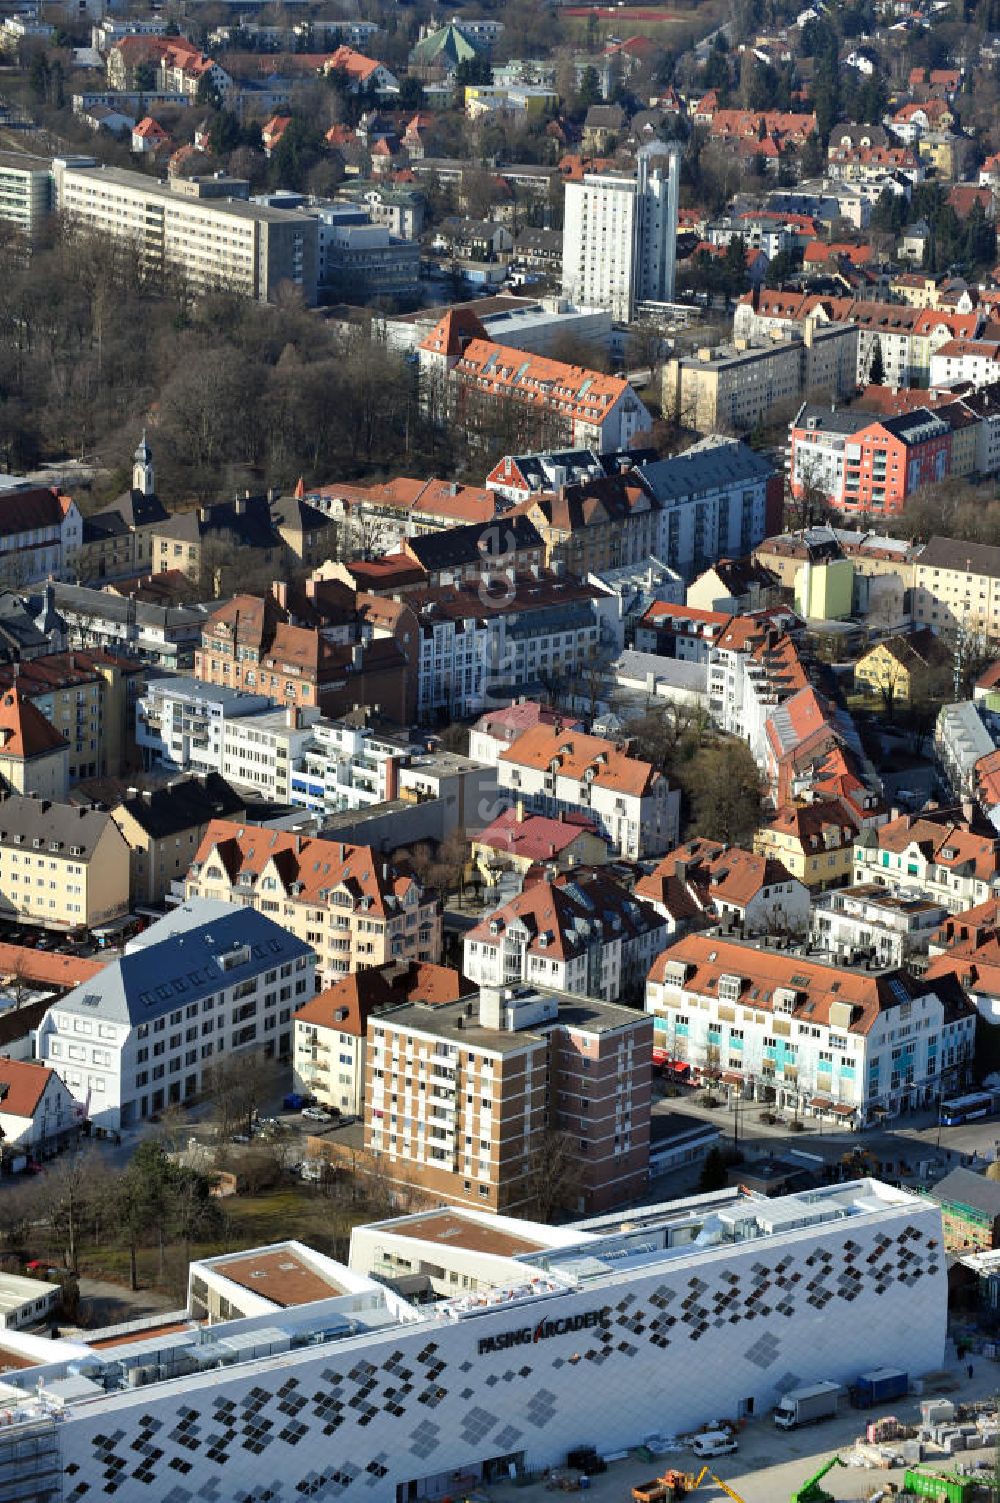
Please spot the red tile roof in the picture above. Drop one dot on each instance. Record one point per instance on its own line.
(317, 867)
(24, 730)
(573, 754)
(22, 1085)
(535, 837)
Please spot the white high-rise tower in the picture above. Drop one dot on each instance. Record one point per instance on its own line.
(620, 234)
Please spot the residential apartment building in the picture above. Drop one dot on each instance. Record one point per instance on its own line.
(865, 465)
(249, 643)
(718, 499)
(963, 742)
(907, 337)
(814, 1037)
(515, 846)
(163, 636)
(34, 756)
(814, 841)
(38, 1115)
(181, 722)
(508, 639)
(164, 828)
(263, 750)
(705, 882)
(871, 922)
(956, 586)
(975, 360)
(25, 192)
(946, 854)
(62, 866)
(546, 402)
(198, 987)
(732, 389)
(40, 533)
(581, 933)
(352, 907)
(620, 234)
(497, 730)
(601, 524)
(90, 698)
(331, 1029)
(462, 1099)
(552, 770)
(199, 227)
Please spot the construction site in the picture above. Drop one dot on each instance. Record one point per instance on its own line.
(941, 1444)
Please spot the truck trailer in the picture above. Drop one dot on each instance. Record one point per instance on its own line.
(880, 1386)
(807, 1406)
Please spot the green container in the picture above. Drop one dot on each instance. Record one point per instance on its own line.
(938, 1485)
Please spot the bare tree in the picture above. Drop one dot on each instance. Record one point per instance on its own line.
(554, 1176)
(238, 1084)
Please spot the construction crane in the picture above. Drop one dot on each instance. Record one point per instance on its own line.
(811, 1492)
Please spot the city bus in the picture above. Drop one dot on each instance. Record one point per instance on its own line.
(967, 1108)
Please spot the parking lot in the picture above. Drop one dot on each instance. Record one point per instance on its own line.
(770, 1463)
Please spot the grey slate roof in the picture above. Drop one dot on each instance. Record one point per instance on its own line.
(708, 465)
(68, 828)
(177, 961)
(183, 805)
(455, 546)
(106, 605)
(952, 553)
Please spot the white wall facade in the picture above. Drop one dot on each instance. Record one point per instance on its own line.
(660, 1347)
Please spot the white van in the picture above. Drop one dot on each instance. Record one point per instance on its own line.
(713, 1443)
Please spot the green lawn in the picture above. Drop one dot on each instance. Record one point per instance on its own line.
(289, 1211)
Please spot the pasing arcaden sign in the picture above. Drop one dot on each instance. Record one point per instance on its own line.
(528, 1335)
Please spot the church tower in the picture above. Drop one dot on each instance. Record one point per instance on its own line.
(143, 478)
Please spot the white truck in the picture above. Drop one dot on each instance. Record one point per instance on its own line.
(807, 1406)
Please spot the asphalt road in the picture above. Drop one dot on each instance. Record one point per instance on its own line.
(900, 1149)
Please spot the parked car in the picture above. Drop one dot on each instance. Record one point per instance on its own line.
(316, 1114)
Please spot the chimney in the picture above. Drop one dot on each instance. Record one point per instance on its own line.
(203, 514)
(968, 809)
(391, 778)
(357, 656)
(279, 590)
(519, 810)
(292, 717)
(241, 506)
(681, 871)
(272, 495)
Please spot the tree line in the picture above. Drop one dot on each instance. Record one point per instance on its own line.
(92, 349)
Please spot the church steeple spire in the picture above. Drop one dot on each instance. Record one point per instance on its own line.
(143, 477)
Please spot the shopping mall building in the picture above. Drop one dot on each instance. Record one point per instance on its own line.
(455, 1345)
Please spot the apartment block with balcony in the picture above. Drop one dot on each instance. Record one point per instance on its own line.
(352, 907)
(462, 1100)
(815, 1037)
(874, 922)
(331, 1029)
(181, 723)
